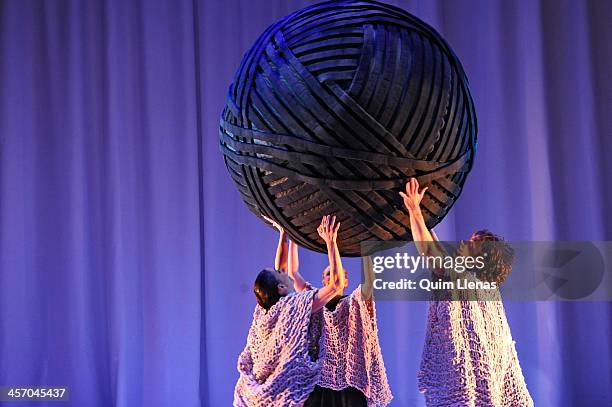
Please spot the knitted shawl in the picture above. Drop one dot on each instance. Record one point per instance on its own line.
(469, 357)
(275, 368)
(351, 352)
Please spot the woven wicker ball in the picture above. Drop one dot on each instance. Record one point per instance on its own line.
(333, 108)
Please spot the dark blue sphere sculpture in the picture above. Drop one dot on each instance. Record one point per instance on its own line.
(333, 108)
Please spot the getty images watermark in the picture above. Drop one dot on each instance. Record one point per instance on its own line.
(490, 270)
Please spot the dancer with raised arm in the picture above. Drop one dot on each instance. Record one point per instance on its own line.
(469, 357)
(275, 366)
(353, 372)
(286, 259)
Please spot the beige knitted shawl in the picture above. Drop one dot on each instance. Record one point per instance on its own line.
(275, 368)
(469, 358)
(351, 351)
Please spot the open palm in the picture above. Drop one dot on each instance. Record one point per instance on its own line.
(412, 197)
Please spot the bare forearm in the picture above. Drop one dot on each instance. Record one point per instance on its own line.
(368, 279)
(336, 274)
(419, 230)
(293, 260)
(293, 267)
(425, 241)
(280, 261)
(328, 231)
(329, 291)
(422, 237)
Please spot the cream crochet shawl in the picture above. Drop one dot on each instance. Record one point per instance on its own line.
(351, 352)
(469, 358)
(275, 368)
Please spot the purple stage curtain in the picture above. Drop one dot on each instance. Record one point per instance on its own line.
(127, 257)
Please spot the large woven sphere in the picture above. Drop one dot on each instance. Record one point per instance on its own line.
(333, 108)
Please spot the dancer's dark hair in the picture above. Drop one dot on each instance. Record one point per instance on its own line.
(266, 288)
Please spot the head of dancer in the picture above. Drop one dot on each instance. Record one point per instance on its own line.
(497, 253)
(270, 285)
(326, 274)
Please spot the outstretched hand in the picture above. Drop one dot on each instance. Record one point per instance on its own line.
(328, 229)
(412, 197)
(276, 225)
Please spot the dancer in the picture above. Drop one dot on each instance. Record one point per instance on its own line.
(275, 367)
(286, 259)
(469, 357)
(353, 372)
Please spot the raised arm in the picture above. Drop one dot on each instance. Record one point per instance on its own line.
(367, 286)
(293, 265)
(282, 249)
(412, 200)
(328, 230)
(420, 234)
